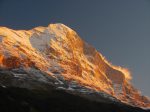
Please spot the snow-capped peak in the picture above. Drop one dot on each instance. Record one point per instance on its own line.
(58, 51)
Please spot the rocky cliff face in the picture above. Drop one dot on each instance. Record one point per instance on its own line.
(56, 55)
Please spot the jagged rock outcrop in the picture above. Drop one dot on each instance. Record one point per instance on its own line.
(56, 55)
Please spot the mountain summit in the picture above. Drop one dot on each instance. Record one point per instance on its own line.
(56, 55)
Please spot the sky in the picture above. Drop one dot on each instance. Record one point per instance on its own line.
(119, 29)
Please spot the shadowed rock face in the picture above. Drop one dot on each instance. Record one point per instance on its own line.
(57, 56)
(23, 100)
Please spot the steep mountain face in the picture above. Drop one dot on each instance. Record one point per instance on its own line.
(56, 55)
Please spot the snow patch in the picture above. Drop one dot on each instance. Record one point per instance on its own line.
(41, 41)
(17, 75)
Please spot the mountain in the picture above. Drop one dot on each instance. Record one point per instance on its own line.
(55, 58)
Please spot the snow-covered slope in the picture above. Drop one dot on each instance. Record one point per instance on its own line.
(59, 53)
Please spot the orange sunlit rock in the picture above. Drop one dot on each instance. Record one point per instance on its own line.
(57, 49)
